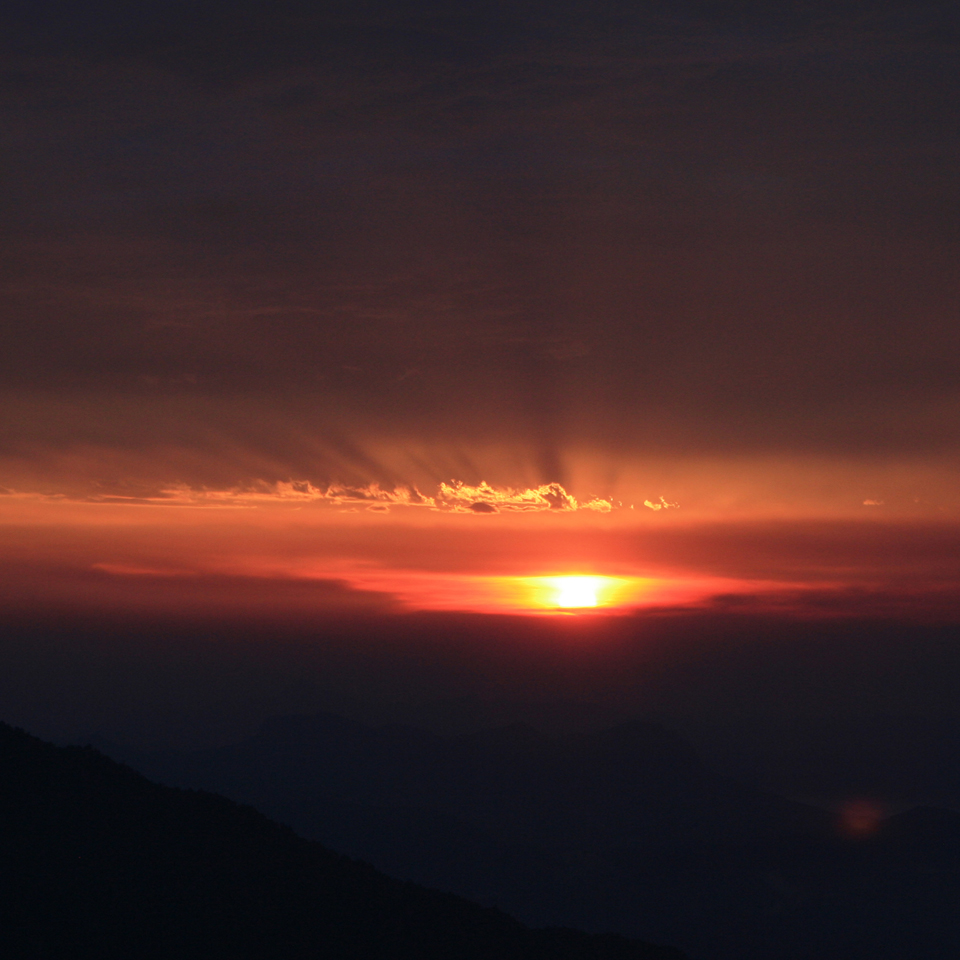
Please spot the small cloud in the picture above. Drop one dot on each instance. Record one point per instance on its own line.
(873, 503)
(132, 570)
(661, 504)
(481, 506)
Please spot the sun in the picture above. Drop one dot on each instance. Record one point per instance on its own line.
(575, 591)
(570, 593)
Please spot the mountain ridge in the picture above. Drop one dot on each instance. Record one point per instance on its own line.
(100, 862)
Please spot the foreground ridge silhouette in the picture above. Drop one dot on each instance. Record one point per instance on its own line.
(97, 861)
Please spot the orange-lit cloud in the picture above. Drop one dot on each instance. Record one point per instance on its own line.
(455, 497)
(661, 504)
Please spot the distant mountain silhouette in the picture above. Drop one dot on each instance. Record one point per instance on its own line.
(98, 862)
(622, 830)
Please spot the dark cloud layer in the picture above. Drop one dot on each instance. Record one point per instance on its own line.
(675, 227)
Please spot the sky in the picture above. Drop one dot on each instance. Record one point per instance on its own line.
(378, 310)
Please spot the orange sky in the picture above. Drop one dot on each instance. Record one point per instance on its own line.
(298, 549)
(332, 314)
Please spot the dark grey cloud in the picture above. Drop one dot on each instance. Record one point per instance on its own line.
(652, 226)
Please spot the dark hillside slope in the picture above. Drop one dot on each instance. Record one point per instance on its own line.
(98, 862)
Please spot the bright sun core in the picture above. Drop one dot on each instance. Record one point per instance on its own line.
(575, 591)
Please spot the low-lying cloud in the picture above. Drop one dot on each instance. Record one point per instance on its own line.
(452, 497)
